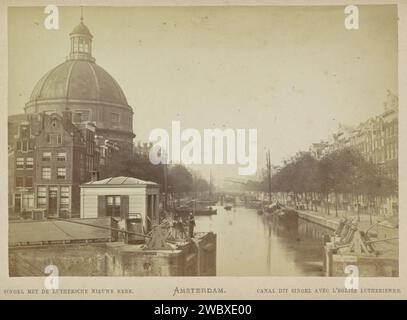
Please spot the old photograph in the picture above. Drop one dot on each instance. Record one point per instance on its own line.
(203, 141)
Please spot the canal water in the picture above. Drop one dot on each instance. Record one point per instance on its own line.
(249, 244)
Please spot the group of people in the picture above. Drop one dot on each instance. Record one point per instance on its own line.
(182, 229)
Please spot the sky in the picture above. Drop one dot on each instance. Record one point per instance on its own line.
(292, 73)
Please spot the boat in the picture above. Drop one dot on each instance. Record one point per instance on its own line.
(206, 202)
(254, 204)
(204, 211)
(183, 210)
(227, 208)
(197, 208)
(272, 208)
(286, 216)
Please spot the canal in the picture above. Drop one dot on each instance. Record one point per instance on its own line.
(249, 244)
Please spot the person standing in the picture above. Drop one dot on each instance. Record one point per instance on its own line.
(191, 225)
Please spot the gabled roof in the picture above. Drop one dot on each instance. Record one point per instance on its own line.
(120, 181)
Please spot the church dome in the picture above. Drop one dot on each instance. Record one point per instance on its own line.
(78, 80)
(85, 89)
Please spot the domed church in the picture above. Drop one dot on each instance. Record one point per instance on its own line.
(87, 90)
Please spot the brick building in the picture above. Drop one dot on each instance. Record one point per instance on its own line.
(49, 158)
(21, 164)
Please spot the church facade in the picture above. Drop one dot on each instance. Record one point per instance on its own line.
(76, 116)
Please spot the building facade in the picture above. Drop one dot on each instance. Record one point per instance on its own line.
(22, 171)
(121, 198)
(377, 140)
(49, 158)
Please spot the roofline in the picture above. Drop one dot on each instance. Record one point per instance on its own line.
(127, 133)
(67, 101)
(72, 34)
(154, 186)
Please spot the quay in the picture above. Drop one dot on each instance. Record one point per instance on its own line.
(331, 224)
(373, 248)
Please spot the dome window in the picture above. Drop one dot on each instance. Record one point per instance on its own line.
(114, 118)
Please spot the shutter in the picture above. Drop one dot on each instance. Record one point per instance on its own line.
(101, 206)
(124, 207)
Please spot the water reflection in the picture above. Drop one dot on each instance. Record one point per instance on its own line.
(249, 244)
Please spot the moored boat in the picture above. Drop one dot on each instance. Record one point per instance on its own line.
(204, 211)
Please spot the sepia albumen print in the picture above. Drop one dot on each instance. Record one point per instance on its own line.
(203, 141)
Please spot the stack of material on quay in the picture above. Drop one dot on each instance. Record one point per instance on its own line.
(375, 251)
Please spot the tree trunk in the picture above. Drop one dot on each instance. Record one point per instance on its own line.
(306, 200)
(336, 204)
(358, 207)
(327, 202)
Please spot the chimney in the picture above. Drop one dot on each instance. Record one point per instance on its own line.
(94, 176)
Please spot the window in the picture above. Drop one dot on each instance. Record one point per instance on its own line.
(64, 198)
(54, 139)
(41, 196)
(28, 201)
(20, 163)
(113, 206)
(17, 202)
(25, 145)
(29, 163)
(46, 173)
(61, 173)
(46, 156)
(18, 147)
(81, 45)
(19, 181)
(29, 182)
(61, 156)
(114, 117)
(75, 46)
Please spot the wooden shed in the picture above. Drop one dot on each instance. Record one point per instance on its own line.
(121, 197)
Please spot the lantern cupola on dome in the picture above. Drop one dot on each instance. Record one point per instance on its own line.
(81, 43)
